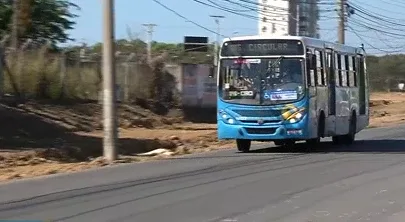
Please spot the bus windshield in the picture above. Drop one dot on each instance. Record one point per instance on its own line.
(261, 81)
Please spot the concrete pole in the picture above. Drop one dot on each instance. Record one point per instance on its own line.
(149, 31)
(216, 47)
(14, 29)
(109, 98)
(341, 29)
(298, 19)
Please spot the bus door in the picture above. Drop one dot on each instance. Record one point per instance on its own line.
(362, 83)
(330, 67)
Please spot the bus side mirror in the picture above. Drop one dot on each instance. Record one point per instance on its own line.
(309, 62)
(211, 73)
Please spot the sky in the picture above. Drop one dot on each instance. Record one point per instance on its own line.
(172, 28)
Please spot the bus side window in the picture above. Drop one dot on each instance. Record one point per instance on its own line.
(329, 68)
(355, 71)
(348, 72)
(343, 72)
(361, 71)
(311, 69)
(320, 68)
(352, 71)
(338, 81)
(324, 79)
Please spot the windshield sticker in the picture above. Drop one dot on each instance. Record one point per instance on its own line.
(253, 61)
(247, 61)
(280, 95)
(240, 94)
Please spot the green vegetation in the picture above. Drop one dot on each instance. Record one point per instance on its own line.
(386, 72)
(175, 52)
(39, 20)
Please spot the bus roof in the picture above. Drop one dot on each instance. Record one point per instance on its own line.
(308, 41)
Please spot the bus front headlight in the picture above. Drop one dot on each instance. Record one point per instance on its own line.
(296, 117)
(226, 117)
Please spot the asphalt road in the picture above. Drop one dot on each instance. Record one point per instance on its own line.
(364, 182)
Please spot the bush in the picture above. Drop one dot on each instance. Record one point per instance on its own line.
(38, 74)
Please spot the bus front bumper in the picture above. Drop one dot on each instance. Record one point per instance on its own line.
(294, 131)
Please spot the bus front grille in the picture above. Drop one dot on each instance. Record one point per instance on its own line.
(263, 122)
(257, 113)
(260, 130)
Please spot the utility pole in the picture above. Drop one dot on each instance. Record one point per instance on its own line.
(216, 48)
(297, 30)
(342, 19)
(149, 30)
(14, 29)
(109, 94)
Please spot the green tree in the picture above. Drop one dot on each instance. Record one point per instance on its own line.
(39, 20)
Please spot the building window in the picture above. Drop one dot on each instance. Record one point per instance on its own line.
(264, 19)
(264, 29)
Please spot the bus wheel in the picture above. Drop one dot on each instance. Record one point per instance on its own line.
(313, 142)
(278, 142)
(337, 140)
(289, 145)
(243, 145)
(350, 137)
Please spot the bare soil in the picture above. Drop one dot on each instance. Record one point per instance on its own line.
(387, 109)
(40, 139)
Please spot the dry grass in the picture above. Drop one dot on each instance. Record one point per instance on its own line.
(38, 74)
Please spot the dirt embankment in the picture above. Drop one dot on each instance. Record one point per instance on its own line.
(387, 109)
(39, 139)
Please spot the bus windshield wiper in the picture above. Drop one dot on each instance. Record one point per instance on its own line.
(277, 61)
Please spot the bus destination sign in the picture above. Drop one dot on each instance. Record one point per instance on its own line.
(262, 47)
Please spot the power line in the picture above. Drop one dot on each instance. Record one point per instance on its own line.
(367, 43)
(378, 30)
(181, 16)
(376, 16)
(377, 23)
(378, 8)
(278, 11)
(225, 9)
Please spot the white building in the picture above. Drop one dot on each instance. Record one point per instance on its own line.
(281, 17)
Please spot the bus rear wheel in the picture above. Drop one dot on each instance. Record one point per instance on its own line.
(337, 140)
(349, 138)
(243, 145)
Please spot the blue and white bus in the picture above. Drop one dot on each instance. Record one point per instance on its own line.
(290, 88)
